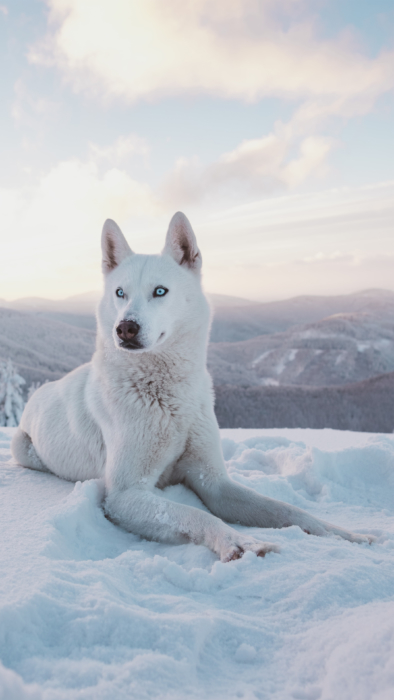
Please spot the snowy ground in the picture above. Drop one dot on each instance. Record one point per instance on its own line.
(90, 611)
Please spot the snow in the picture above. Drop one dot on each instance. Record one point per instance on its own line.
(88, 611)
(268, 381)
(289, 356)
(261, 357)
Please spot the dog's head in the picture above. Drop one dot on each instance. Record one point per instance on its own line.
(148, 298)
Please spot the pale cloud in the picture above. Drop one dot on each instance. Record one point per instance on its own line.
(4, 10)
(255, 167)
(26, 104)
(53, 243)
(226, 48)
(327, 209)
(326, 242)
(124, 148)
(230, 49)
(243, 49)
(336, 257)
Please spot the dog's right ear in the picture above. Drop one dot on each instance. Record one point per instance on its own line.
(114, 246)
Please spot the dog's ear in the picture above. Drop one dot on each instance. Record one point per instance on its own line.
(181, 243)
(114, 246)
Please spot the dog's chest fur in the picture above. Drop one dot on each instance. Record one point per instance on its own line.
(164, 382)
(154, 400)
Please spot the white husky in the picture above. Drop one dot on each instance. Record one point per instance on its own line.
(141, 413)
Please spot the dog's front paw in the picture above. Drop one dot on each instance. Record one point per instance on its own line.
(348, 535)
(361, 539)
(236, 549)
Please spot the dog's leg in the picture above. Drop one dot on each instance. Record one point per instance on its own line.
(239, 504)
(150, 515)
(203, 470)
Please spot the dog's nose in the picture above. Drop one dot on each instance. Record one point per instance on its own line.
(127, 330)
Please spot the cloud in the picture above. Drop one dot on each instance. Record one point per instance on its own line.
(240, 49)
(255, 167)
(334, 241)
(243, 49)
(124, 148)
(334, 258)
(26, 104)
(54, 227)
(327, 242)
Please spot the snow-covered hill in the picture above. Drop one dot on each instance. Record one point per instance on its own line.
(90, 612)
(337, 350)
(41, 348)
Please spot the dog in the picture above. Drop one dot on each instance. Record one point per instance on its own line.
(141, 413)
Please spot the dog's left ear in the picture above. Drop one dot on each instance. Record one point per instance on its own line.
(114, 246)
(181, 243)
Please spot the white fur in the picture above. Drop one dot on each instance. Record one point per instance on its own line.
(143, 418)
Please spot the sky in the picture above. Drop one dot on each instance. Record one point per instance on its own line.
(270, 123)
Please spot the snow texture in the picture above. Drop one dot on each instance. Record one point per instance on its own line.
(89, 611)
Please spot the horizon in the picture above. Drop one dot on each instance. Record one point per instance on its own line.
(98, 292)
(270, 124)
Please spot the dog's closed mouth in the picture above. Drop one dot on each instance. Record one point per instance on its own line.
(131, 345)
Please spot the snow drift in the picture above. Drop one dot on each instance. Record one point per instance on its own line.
(90, 611)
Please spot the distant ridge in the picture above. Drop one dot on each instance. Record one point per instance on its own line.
(86, 303)
(235, 318)
(232, 324)
(363, 406)
(79, 303)
(223, 300)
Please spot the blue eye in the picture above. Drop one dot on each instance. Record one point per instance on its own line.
(160, 292)
(119, 292)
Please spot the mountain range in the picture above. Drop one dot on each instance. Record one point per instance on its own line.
(257, 350)
(340, 349)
